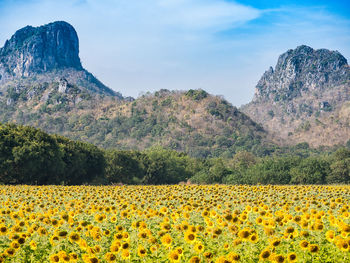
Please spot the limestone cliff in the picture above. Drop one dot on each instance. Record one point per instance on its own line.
(305, 97)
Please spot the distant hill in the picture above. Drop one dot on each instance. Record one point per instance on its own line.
(43, 84)
(305, 98)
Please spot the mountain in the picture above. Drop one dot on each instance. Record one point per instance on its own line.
(38, 55)
(44, 85)
(305, 98)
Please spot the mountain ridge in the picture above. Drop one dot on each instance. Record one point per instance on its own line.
(59, 96)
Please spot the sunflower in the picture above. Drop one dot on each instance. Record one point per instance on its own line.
(179, 250)
(275, 242)
(174, 256)
(74, 237)
(143, 234)
(125, 254)
(190, 237)
(10, 252)
(32, 245)
(244, 234)
(254, 238)
(63, 256)
(73, 257)
(208, 255)
(313, 248)
(54, 239)
(93, 259)
(198, 247)
(15, 244)
(265, 254)
(83, 244)
(330, 235)
(3, 230)
(110, 257)
(279, 258)
(304, 244)
(42, 231)
(194, 259)
(141, 251)
(153, 248)
(125, 245)
(233, 257)
(292, 257)
(166, 240)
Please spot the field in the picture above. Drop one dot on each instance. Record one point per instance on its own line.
(180, 223)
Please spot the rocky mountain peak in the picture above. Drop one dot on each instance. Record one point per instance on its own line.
(33, 50)
(301, 70)
(35, 56)
(305, 98)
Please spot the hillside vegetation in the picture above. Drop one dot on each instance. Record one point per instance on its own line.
(30, 156)
(194, 122)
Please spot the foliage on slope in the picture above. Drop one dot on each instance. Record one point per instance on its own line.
(194, 122)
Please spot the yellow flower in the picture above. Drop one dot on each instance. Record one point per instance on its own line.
(174, 256)
(278, 258)
(254, 238)
(190, 237)
(292, 257)
(32, 245)
(141, 251)
(166, 240)
(233, 257)
(125, 254)
(73, 257)
(265, 254)
(74, 237)
(244, 234)
(304, 244)
(110, 257)
(313, 248)
(198, 247)
(208, 255)
(194, 259)
(153, 248)
(3, 230)
(54, 258)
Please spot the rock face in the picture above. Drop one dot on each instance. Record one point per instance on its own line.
(302, 97)
(45, 53)
(33, 50)
(300, 71)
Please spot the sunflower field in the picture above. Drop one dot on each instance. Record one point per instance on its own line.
(174, 223)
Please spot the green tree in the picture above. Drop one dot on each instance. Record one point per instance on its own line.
(275, 170)
(29, 156)
(123, 167)
(312, 170)
(83, 162)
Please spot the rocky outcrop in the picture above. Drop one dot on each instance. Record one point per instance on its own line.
(45, 53)
(300, 71)
(33, 50)
(300, 99)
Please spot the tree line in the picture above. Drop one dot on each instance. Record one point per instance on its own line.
(31, 156)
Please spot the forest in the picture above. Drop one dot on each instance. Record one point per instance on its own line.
(31, 156)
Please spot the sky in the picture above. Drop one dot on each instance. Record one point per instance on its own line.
(221, 46)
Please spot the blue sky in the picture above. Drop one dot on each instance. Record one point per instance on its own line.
(222, 46)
